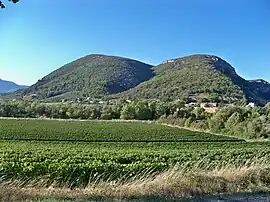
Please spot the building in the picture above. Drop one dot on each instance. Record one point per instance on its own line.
(251, 104)
(210, 107)
(208, 104)
(191, 104)
(168, 61)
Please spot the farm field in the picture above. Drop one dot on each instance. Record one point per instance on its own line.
(102, 156)
(77, 164)
(99, 131)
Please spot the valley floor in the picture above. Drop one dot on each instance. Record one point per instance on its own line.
(121, 161)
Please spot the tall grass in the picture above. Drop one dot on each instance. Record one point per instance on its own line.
(175, 183)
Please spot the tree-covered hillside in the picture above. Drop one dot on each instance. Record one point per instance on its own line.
(197, 77)
(193, 78)
(260, 90)
(91, 76)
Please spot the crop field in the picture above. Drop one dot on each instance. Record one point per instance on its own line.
(111, 151)
(99, 131)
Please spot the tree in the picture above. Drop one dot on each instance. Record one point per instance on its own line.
(233, 120)
(267, 108)
(216, 123)
(161, 109)
(128, 112)
(142, 111)
(40, 109)
(95, 113)
(199, 112)
(3, 6)
(106, 113)
(255, 127)
(189, 121)
(242, 102)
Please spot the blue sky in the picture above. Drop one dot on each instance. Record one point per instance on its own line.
(37, 37)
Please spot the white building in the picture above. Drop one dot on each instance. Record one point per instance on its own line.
(168, 61)
(251, 104)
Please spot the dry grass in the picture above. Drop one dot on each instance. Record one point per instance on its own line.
(174, 184)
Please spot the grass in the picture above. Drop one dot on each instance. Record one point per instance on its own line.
(174, 184)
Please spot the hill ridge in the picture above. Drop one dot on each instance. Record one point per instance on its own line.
(10, 86)
(192, 65)
(94, 75)
(105, 76)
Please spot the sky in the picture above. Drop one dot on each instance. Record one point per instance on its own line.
(37, 37)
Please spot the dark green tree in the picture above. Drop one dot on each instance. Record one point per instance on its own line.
(142, 111)
(255, 127)
(199, 113)
(106, 113)
(128, 112)
(161, 109)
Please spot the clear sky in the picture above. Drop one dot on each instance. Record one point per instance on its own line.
(38, 36)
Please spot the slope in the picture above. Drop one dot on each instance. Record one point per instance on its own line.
(198, 76)
(91, 76)
(8, 86)
(260, 90)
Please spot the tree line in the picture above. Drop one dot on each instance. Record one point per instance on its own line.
(231, 120)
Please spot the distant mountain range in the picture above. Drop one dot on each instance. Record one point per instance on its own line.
(205, 77)
(8, 86)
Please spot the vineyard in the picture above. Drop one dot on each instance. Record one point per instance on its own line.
(99, 131)
(76, 153)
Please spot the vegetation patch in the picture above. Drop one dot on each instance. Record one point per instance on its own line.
(78, 164)
(97, 131)
(170, 185)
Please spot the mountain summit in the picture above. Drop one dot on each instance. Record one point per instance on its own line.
(92, 76)
(199, 76)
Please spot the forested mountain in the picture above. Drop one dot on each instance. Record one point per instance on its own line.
(8, 86)
(92, 76)
(195, 77)
(199, 77)
(260, 90)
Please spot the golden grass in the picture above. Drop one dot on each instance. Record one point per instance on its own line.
(173, 184)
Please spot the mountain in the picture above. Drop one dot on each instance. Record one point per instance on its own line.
(8, 86)
(91, 76)
(199, 77)
(260, 89)
(195, 77)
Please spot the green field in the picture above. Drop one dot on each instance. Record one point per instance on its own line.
(26, 157)
(78, 163)
(99, 131)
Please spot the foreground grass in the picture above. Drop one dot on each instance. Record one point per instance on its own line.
(81, 163)
(174, 184)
